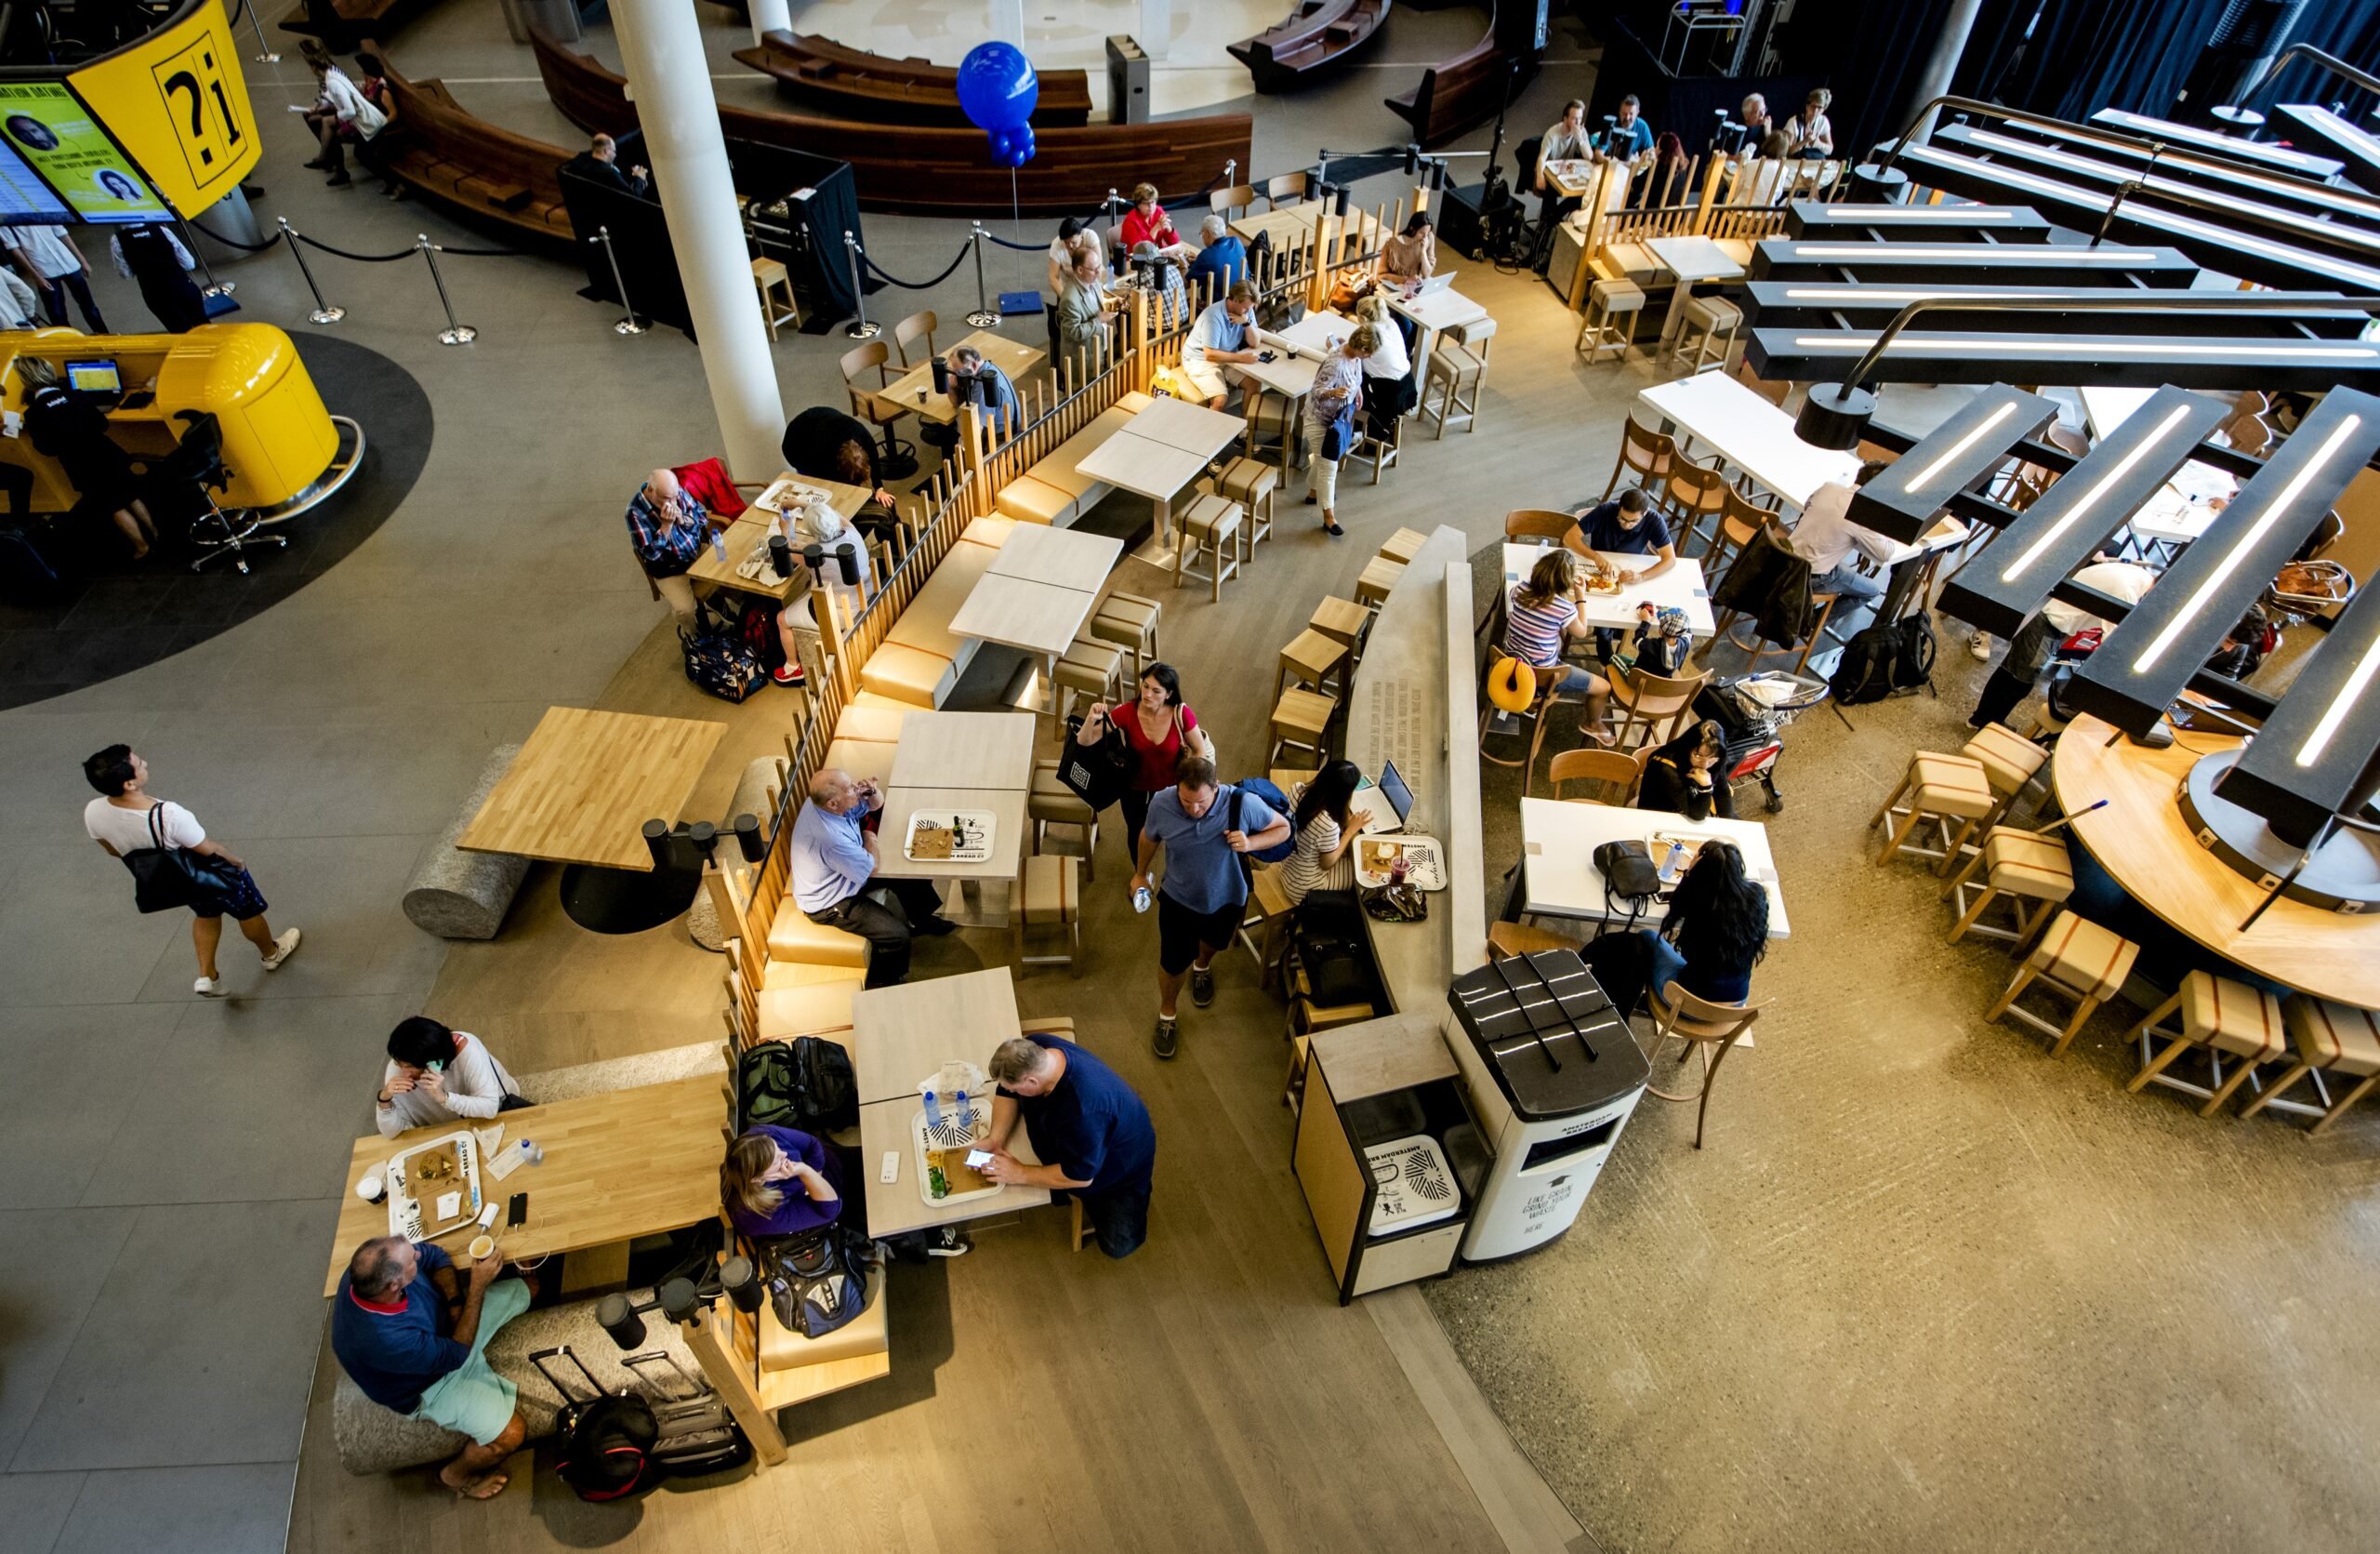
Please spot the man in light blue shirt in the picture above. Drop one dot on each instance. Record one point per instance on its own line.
(1203, 828)
(834, 860)
(1223, 335)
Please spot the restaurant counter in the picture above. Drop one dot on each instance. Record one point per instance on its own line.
(1414, 701)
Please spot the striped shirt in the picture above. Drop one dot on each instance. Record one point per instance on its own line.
(1303, 874)
(1533, 633)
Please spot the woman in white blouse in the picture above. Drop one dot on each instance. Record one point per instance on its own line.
(1808, 130)
(1391, 360)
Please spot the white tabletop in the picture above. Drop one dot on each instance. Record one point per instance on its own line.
(1682, 585)
(2106, 409)
(1748, 432)
(1694, 258)
(1180, 424)
(1441, 310)
(2185, 504)
(1018, 612)
(1559, 838)
(1137, 464)
(1007, 807)
(964, 750)
(1063, 558)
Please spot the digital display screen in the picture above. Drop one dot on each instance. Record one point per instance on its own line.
(45, 124)
(23, 196)
(98, 377)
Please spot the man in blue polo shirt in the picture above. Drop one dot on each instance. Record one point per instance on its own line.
(1203, 828)
(413, 1338)
(1092, 1131)
(1627, 525)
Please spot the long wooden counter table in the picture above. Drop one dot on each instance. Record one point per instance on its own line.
(1414, 703)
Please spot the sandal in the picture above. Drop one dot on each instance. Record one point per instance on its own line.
(486, 1488)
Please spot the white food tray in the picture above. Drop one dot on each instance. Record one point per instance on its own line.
(1424, 860)
(406, 1216)
(973, 843)
(948, 1136)
(1414, 1184)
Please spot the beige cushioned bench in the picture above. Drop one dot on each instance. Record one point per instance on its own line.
(1055, 490)
(921, 657)
(864, 1335)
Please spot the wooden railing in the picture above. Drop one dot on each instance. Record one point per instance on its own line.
(1711, 196)
(747, 895)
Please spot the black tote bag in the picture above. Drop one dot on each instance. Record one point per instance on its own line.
(1096, 773)
(163, 877)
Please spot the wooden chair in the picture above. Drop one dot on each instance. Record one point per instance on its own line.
(1539, 712)
(1286, 190)
(1611, 777)
(1233, 202)
(2066, 440)
(1710, 1030)
(1646, 452)
(1775, 392)
(1652, 703)
(1692, 495)
(917, 326)
(1739, 519)
(1539, 522)
(1755, 652)
(874, 356)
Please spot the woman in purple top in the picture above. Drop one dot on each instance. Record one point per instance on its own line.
(780, 1182)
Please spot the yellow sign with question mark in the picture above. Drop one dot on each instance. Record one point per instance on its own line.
(178, 103)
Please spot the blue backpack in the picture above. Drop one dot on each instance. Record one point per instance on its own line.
(1269, 792)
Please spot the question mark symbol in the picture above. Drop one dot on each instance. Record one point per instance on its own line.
(182, 80)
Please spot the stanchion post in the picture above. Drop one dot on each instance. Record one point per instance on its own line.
(628, 326)
(265, 56)
(983, 317)
(859, 329)
(454, 334)
(323, 312)
(213, 287)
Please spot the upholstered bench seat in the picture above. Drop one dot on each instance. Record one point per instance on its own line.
(794, 937)
(865, 1334)
(818, 1009)
(907, 674)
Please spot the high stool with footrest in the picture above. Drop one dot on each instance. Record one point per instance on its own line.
(1053, 900)
(1939, 789)
(2218, 1016)
(1210, 528)
(2331, 1039)
(1130, 621)
(2078, 959)
(2019, 865)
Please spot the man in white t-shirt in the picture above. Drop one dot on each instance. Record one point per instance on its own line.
(124, 819)
(47, 259)
(2029, 650)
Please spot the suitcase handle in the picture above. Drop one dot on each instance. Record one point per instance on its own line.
(696, 1388)
(560, 1383)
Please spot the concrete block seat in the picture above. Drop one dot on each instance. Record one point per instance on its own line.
(1055, 490)
(921, 657)
(375, 1440)
(621, 1073)
(459, 895)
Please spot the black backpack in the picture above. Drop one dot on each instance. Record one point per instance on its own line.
(1870, 660)
(803, 1084)
(1913, 665)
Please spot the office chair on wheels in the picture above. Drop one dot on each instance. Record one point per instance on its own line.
(182, 485)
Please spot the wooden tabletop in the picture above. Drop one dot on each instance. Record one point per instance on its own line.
(2142, 839)
(1569, 178)
(1066, 558)
(900, 1035)
(1295, 224)
(844, 498)
(742, 536)
(1439, 309)
(1682, 586)
(586, 782)
(965, 750)
(1007, 808)
(1013, 358)
(1139, 464)
(621, 1165)
(1018, 612)
(1180, 424)
(897, 1207)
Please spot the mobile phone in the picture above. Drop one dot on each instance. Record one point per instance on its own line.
(1268, 355)
(517, 1212)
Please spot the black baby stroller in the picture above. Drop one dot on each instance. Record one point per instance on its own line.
(1751, 711)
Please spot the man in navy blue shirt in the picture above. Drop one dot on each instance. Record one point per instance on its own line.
(1203, 828)
(1627, 525)
(1092, 1131)
(413, 1338)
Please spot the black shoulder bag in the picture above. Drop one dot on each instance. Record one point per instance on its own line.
(165, 877)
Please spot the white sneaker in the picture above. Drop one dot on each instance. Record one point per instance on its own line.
(284, 946)
(1979, 645)
(209, 987)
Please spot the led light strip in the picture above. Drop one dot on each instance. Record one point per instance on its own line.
(1924, 215)
(2349, 694)
(2187, 135)
(2022, 252)
(2272, 351)
(2240, 547)
(2074, 514)
(1852, 292)
(1951, 454)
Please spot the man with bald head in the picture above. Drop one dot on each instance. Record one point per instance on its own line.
(602, 160)
(413, 1338)
(834, 874)
(667, 528)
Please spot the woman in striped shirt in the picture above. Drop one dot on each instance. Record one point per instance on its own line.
(1541, 617)
(1320, 861)
(1337, 393)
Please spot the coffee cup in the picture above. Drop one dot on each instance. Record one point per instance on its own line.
(372, 1188)
(482, 1248)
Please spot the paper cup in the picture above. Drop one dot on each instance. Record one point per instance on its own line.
(372, 1188)
(482, 1248)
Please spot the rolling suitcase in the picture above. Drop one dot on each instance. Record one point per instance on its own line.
(608, 1438)
(697, 1434)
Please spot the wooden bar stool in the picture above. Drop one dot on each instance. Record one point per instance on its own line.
(1708, 334)
(1941, 789)
(1301, 719)
(1092, 668)
(2010, 762)
(1265, 932)
(2222, 1016)
(1379, 575)
(1403, 546)
(1252, 483)
(1456, 375)
(1212, 528)
(1344, 622)
(2020, 866)
(1051, 803)
(2331, 1038)
(1053, 900)
(1312, 659)
(1130, 621)
(1271, 418)
(1608, 303)
(2079, 958)
(770, 278)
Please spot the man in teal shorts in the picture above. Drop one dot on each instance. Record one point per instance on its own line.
(414, 1337)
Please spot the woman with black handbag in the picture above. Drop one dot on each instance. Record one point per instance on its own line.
(1154, 730)
(174, 864)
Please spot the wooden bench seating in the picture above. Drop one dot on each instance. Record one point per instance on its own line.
(920, 659)
(448, 153)
(935, 170)
(1461, 93)
(855, 83)
(356, 18)
(1317, 37)
(1055, 490)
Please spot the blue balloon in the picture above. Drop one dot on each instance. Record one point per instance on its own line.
(996, 87)
(1022, 143)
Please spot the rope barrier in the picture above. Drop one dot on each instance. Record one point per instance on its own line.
(484, 253)
(1019, 247)
(365, 259)
(913, 285)
(231, 243)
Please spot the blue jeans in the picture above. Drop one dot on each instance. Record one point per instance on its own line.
(1853, 585)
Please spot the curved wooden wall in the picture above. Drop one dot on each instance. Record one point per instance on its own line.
(837, 79)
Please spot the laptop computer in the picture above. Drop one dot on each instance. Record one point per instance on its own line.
(98, 376)
(1383, 808)
(1437, 283)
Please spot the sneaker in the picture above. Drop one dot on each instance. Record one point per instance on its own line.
(1202, 986)
(786, 674)
(209, 987)
(283, 947)
(1167, 1041)
(1979, 647)
(949, 1243)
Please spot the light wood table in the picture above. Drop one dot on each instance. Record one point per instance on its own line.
(1682, 586)
(1432, 311)
(896, 1207)
(618, 1165)
(964, 750)
(903, 393)
(1301, 347)
(1293, 228)
(1160, 470)
(1571, 178)
(2142, 839)
(758, 522)
(1689, 260)
(1064, 558)
(1007, 808)
(1559, 841)
(1748, 432)
(1180, 424)
(586, 782)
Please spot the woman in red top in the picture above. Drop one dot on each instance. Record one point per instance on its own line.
(1155, 729)
(1147, 221)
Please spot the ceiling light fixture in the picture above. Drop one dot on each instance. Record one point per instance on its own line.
(1950, 455)
(2090, 498)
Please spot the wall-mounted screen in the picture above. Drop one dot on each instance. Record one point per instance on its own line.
(44, 123)
(23, 196)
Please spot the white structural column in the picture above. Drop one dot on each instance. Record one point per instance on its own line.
(1155, 37)
(1005, 21)
(769, 16)
(662, 48)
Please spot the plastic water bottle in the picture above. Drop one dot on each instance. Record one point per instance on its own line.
(1140, 899)
(1673, 862)
(718, 542)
